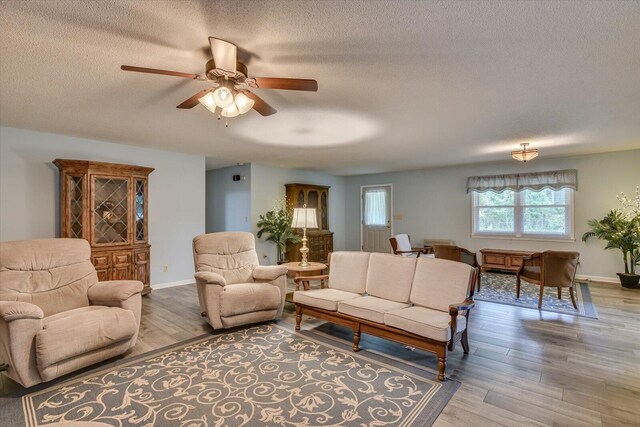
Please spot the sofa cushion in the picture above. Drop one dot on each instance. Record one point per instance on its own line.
(390, 276)
(438, 283)
(327, 298)
(369, 308)
(425, 322)
(82, 330)
(241, 298)
(348, 271)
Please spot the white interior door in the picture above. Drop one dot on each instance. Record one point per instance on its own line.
(376, 218)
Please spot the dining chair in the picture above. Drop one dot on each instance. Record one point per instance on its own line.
(401, 245)
(550, 269)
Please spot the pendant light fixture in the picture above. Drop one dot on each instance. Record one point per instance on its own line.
(524, 155)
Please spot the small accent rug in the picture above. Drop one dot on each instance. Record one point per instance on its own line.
(262, 375)
(501, 288)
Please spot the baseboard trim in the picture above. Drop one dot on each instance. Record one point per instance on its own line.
(172, 284)
(602, 279)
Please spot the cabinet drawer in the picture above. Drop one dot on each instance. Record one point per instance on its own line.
(100, 261)
(495, 260)
(141, 257)
(121, 258)
(515, 261)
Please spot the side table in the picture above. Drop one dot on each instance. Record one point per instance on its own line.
(314, 269)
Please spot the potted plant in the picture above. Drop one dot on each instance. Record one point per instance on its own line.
(621, 230)
(276, 223)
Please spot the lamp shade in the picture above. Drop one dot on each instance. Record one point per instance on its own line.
(304, 218)
(208, 102)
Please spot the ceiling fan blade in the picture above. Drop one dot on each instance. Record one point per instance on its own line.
(224, 53)
(289, 84)
(260, 105)
(163, 72)
(193, 101)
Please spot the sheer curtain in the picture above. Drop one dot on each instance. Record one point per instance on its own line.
(375, 207)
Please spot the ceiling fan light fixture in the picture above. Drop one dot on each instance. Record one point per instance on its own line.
(524, 155)
(208, 102)
(243, 103)
(230, 111)
(223, 96)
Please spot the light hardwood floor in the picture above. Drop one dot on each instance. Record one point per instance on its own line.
(525, 367)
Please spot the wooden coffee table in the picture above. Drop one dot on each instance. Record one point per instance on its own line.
(314, 269)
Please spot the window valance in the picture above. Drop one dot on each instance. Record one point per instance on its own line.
(567, 178)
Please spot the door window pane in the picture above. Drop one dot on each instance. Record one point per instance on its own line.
(375, 207)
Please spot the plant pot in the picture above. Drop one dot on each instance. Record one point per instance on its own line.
(629, 281)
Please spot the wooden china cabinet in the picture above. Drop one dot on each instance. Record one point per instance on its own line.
(107, 205)
(320, 240)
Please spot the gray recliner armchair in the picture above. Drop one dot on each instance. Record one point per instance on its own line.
(55, 316)
(233, 288)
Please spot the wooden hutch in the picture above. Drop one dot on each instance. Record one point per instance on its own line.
(320, 240)
(107, 205)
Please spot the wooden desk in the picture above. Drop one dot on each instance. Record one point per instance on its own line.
(314, 269)
(502, 259)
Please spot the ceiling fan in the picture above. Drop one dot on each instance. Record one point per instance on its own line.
(229, 95)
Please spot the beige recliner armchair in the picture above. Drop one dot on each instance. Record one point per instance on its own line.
(55, 317)
(233, 288)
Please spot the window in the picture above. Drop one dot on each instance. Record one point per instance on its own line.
(375, 207)
(546, 213)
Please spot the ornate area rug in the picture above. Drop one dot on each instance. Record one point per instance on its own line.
(501, 288)
(265, 375)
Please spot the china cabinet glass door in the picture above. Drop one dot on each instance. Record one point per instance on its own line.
(140, 210)
(110, 210)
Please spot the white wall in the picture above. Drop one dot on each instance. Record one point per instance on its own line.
(433, 203)
(267, 184)
(29, 193)
(228, 202)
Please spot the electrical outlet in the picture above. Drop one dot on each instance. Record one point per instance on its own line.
(165, 268)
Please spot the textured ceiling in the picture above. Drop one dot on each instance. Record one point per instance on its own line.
(402, 85)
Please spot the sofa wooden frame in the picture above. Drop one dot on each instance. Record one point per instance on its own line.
(359, 326)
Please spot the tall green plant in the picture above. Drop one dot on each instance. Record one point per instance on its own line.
(276, 224)
(621, 230)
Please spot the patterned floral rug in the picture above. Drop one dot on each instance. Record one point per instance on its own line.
(501, 288)
(262, 375)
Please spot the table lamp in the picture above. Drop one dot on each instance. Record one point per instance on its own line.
(304, 218)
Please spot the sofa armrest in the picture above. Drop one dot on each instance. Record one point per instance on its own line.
(417, 251)
(112, 292)
(269, 272)
(467, 304)
(210, 278)
(15, 310)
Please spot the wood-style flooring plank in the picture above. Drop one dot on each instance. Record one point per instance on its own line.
(525, 368)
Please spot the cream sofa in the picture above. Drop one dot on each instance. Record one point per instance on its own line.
(233, 288)
(55, 317)
(422, 302)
